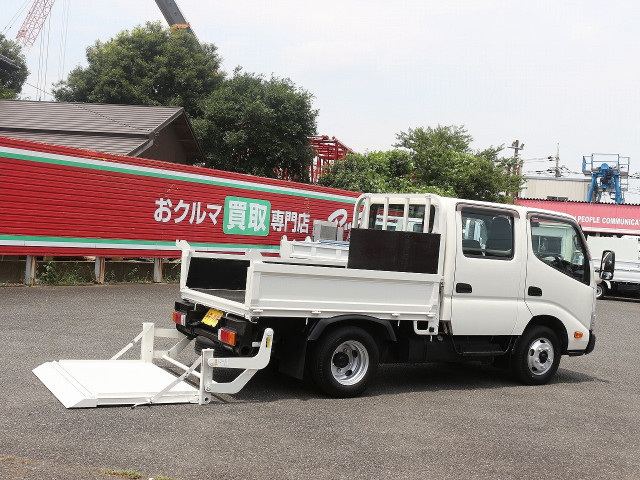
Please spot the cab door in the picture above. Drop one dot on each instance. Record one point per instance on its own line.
(558, 280)
(489, 271)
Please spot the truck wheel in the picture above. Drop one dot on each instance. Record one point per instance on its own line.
(536, 356)
(601, 290)
(344, 361)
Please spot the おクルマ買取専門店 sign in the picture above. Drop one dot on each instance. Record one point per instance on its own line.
(62, 201)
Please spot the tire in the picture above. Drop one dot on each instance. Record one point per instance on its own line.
(601, 290)
(536, 356)
(344, 361)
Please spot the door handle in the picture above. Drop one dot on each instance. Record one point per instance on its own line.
(463, 288)
(534, 291)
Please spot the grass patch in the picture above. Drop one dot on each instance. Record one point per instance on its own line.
(67, 273)
(122, 473)
(133, 474)
(11, 458)
(136, 276)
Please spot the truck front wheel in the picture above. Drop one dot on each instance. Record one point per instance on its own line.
(536, 356)
(344, 361)
(601, 290)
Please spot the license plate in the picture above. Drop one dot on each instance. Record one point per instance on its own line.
(212, 317)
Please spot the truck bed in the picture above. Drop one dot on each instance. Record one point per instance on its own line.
(286, 290)
(627, 271)
(232, 295)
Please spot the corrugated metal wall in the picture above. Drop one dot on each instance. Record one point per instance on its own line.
(62, 201)
(542, 188)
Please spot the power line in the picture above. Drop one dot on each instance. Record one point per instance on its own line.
(63, 40)
(535, 160)
(15, 18)
(46, 58)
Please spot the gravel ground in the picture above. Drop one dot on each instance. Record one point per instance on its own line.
(420, 421)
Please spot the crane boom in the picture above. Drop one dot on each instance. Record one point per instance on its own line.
(33, 23)
(173, 15)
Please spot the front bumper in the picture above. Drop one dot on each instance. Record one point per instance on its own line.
(590, 346)
(592, 342)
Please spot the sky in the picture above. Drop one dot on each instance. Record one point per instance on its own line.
(551, 74)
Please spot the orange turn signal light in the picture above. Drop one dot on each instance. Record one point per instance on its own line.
(577, 334)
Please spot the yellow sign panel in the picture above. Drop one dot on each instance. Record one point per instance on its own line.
(212, 317)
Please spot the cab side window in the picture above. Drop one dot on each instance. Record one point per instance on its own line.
(486, 234)
(559, 244)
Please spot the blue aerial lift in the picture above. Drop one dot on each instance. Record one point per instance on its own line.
(609, 174)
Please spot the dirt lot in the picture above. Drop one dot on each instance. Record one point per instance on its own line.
(420, 421)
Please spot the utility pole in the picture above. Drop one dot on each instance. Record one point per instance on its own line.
(516, 156)
(558, 160)
(516, 151)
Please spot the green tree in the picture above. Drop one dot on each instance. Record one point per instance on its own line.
(443, 158)
(258, 126)
(149, 65)
(378, 172)
(438, 160)
(12, 78)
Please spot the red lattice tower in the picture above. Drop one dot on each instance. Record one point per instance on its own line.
(33, 23)
(328, 150)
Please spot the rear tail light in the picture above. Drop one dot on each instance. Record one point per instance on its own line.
(227, 336)
(179, 318)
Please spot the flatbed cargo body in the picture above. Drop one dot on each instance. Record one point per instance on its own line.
(317, 291)
(627, 261)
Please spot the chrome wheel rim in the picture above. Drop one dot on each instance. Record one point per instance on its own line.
(599, 291)
(349, 362)
(540, 356)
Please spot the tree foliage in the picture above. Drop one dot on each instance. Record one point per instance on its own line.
(245, 124)
(149, 65)
(443, 158)
(258, 126)
(381, 171)
(12, 80)
(433, 159)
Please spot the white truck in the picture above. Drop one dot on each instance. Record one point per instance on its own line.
(454, 280)
(627, 266)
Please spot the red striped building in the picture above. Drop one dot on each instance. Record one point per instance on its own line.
(64, 201)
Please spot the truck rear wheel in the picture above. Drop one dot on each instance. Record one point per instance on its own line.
(536, 356)
(344, 361)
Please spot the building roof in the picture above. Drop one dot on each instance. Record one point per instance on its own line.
(586, 179)
(120, 129)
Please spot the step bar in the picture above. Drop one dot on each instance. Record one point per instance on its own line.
(94, 383)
